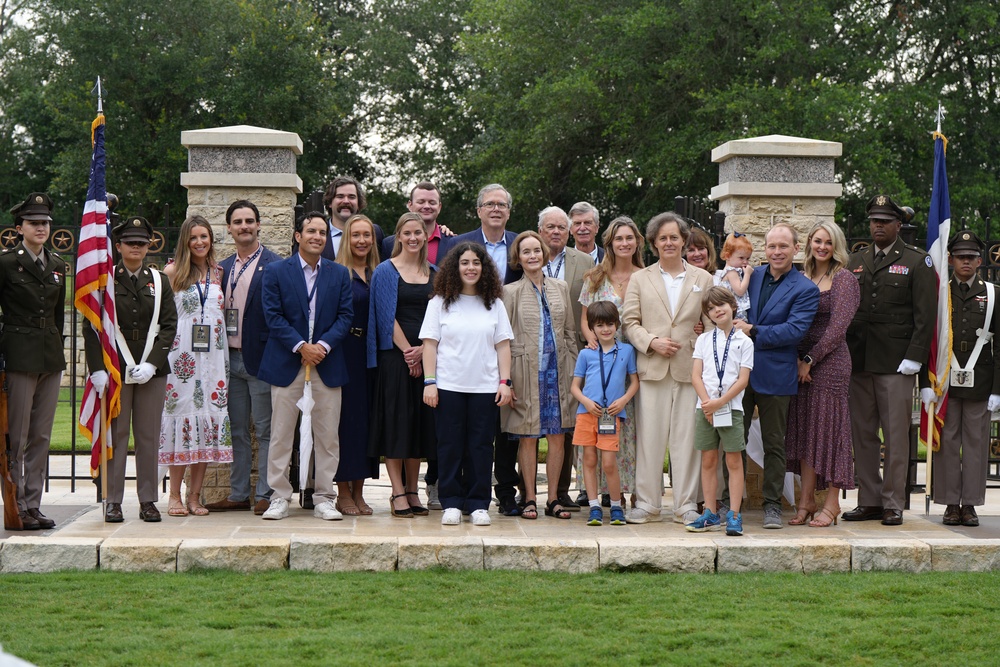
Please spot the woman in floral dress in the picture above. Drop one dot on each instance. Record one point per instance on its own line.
(194, 429)
(607, 282)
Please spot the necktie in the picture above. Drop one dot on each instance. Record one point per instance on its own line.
(964, 288)
(135, 283)
(879, 256)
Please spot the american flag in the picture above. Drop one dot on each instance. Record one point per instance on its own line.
(938, 231)
(95, 299)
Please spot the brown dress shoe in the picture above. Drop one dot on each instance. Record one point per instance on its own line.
(113, 513)
(952, 516)
(43, 521)
(892, 518)
(28, 522)
(227, 505)
(863, 513)
(969, 516)
(149, 513)
(261, 506)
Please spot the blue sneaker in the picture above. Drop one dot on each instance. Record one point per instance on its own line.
(617, 516)
(734, 524)
(596, 517)
(706, 522)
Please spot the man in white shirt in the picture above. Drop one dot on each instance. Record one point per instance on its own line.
(584, 225)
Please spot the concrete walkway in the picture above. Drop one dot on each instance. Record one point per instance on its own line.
(242, 541)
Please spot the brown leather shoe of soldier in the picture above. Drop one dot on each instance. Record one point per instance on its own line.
(952, 516)
(969, 516)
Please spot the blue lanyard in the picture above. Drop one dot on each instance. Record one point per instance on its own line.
(312, 292)
(203, 296)
(236, 276)
(721, 368)
(548, 268)
(605, 381)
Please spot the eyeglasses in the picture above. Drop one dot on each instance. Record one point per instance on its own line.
(499, 205)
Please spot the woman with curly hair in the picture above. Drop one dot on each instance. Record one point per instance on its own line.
(466, 337)
(194, 429)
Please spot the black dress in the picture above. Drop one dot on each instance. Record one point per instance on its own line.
(356, 394)
(402, 426)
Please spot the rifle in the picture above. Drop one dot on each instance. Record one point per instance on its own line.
(11, 516)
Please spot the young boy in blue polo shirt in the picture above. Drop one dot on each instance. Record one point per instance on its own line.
(599, 386)
(723, 359)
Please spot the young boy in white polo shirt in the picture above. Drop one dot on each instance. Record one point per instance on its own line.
(723, 359)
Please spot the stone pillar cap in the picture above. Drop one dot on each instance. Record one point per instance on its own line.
(242, 136)
(777, 145)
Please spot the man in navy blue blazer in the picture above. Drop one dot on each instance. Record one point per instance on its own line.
(307, 302)
(493, 206)
(249, 398)
(425, 201)
(783, 303)
(344, 197)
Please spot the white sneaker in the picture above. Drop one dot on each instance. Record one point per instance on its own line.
(452, 517)
(480, 518)
(277, 510)
(688, 517)
(636, 515)
(433, 503)
(327, 511)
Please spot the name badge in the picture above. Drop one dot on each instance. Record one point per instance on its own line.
(723, 416)
(201, 335)
(606, 424)
(962, 378)
(232, 321)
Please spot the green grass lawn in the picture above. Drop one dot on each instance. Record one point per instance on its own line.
(499, 618)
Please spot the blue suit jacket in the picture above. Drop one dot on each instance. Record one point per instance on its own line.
(253, 324)
(476, 236)
(286, 306)
(446, 244)
(778, 328)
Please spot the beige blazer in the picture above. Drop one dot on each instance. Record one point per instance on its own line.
(577, 264)
(525, 319)
(646, 315)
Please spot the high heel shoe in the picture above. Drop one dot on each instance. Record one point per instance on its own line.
(402, 514)
(418, 509)
(802, 517)
(826, 517)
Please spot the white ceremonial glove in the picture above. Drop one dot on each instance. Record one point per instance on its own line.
(143, 372)
(994, 403)
(907, 367)
(927, 396)
(100, 381)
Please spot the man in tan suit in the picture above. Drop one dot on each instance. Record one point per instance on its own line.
(567, 264)
(662, 307)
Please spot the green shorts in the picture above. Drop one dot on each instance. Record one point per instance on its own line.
(708, 437)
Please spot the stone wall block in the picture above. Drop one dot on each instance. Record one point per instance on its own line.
(49, 554)
(822, 555)
(457, 553)
(355, 554)
(575, 556)
(139, 554)
(965, 555)
(890, 555)
(247, 555)
(771, 206)
(747, 554)
(657, 555)
(810, 206)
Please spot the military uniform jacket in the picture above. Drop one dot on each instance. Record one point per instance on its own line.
(968, 314)
(134, 310)
(898, 309)
(33, 304)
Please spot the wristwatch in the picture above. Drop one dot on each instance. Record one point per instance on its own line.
(809, 360)
(507, 382)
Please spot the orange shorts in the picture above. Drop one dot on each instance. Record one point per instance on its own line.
(585, 433)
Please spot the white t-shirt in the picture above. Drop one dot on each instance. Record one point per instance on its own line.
(467, 335)
(740, 356)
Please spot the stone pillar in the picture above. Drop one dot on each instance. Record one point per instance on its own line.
(244, 162)
(766, 180)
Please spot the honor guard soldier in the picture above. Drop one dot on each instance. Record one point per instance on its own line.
(961, 464)
(33, 302)
(146, 324)
(889, 340)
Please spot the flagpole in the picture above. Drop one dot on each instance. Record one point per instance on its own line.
(104, 453)
(932, 411)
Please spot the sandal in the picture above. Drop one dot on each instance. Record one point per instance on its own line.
(364, 508)
(345, 509)
(554, 509)
(196, 508)
(802, 517)
(418, 509)
(402, 514)
(826, 517)
(175, 507)
(530, 510)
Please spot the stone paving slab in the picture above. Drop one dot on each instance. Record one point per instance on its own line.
(353, 554)
(541, 555)
(882, 555)
(48, 554)
(238, 555)
(122, 554)
(635, 554)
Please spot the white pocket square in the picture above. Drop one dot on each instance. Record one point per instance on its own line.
(695, 289)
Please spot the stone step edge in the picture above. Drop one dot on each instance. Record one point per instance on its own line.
(708, 554)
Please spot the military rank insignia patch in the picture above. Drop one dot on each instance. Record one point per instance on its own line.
(928, 262)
